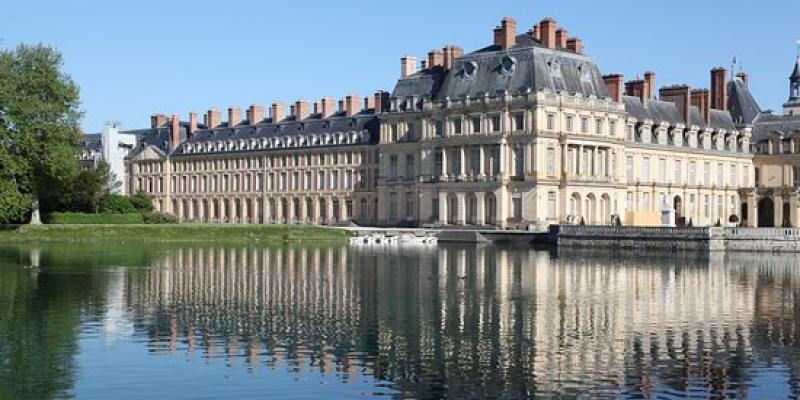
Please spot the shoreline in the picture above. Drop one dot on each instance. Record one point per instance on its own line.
(174, 233)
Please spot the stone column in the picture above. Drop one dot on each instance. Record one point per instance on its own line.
(481, 163)
(315, 209)
(752, 206)
(528, 170)
(480, 208)
(445, 166)
(580, 169)
(329, 208)
(443, 203)
(424, 206)
(461, 211)
(501, 207)
(778, 206)
(502, 159)
(462, 163)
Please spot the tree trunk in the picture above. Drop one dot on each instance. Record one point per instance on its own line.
(35, 217)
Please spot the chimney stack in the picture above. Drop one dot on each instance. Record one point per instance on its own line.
(701, 98)
(451, 53)
(255, 114)
(575, 45)
(212, 119)
(547, 30)
(234, 116)
(327, 107)
(637, 89)
(435, 58)
(301, 110)
(381, 101)
(408, 66)
(192, 124)
(352, 104)
(744, 77)
(614, 84)
(156, 120)
(680, 96)
(535, 33)
(719, 88)
(175, 131)
(649, 85)
(561, 38)
(505, 35)
(277, 112)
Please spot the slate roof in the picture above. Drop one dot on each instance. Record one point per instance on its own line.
(796, 72)
(741, 103)
(525, 66)
(338, 124)
(92, 141)
(766, 123)
(664, 111)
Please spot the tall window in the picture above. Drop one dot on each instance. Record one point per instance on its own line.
(516, 208)
(734, 178)
(456, 126)
(551, 122)
(295, 179)
(720, 175)
(321, 180)
(612, 128)
(646, 201)
(678, 173)
(307, 181)
(393, 205)
(551, 205)
(662, 170)
(646, 169)
(495, 123)
(568, 124)
(692, 178)
(707, 174)
(551, 162)
(334, 180)
(393, 166)
(410, 205)
(706, 205)
(584, 125)
(598, 126)
(476, 124)
(409, 166)
(629, 169)
(438, 128)
(519, 122)
(629, 201)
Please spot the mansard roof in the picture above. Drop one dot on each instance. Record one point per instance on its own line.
(767, 123)
(663, 111)
(525, 66)
(742, 105)
(366, 121)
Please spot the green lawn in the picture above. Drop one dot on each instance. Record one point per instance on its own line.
(173, 233)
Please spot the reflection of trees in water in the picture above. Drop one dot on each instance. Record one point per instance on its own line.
(479, 322)
(40, 312)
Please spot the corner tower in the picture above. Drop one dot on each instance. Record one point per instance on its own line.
(792, 107)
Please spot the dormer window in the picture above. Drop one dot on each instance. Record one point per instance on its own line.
(469, 68)
(508, 65)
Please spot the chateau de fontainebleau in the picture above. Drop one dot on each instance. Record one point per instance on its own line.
(525, 131)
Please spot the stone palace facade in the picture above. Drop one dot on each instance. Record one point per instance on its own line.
(526, 131)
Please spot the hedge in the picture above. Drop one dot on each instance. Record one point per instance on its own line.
(87, 219)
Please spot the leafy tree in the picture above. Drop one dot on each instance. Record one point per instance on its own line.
(116, 204)
(142, 202)
(39, 131)
(86, 191)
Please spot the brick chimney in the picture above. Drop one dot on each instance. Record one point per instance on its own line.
(535, 33)
(680, 96)
(255, 114)
(302, 109)
(369, 103)
(277, 112)
(381, 101)
(192, 124)
(575, 45)
(156, 120)
(327, 107)
(719, 88)
(408, 66)
(435, 58)
(637, 89)
(649, 85)
(212, 119)
(561, 38)
(451, 53)
(352, 104)
(744, 77)
(547, 30)
(175, 131)
(234, 116)
(614, 84)
(701, 98)
(505, 35)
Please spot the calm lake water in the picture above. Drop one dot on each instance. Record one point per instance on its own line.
(152, 322)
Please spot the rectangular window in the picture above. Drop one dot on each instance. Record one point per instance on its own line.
(348, 179)
(678, 172)
(551, 162)
(629, 170)
(321, 180)
(495, 123)
(706, 206)
(410, 205)
(295, 180)
(519, 122)
(629, 201)
(516, 207)
(645, 201)
(631, 135)
(707, 174)
(476, 124)
(334, 180)
(598, 126)
(720, 203)
(584, 125)
(720, 176)
(438, 129)
(551, 205)
(568, 124)
(393, 166)
(612, 128)
(662, 170)
(692, 178)
(307, 181)
(646, 170)
(734, 178)
(410, 166)
(551, 122)
(456, 126)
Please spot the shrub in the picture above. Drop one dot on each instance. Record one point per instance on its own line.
(160, 218)
(87, 219)
(734, 219)
(116, 204)
(142, 202)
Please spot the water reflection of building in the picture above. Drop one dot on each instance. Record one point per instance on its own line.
(466, 321)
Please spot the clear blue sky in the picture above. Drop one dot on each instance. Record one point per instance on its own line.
(133, 58)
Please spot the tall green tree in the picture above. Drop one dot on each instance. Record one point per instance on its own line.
(39, 130)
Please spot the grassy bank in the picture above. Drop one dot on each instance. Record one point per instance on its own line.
(184, 233)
